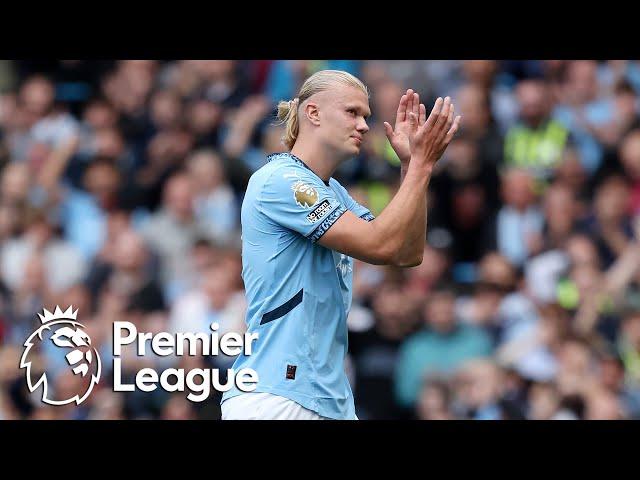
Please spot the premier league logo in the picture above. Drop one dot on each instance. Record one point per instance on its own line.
(64, 332)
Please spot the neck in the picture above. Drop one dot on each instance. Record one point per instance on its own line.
(318, 158)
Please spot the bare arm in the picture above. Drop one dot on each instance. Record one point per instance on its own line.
(56, 163)
(398, 235)
(616, 280)
(410, 115)
(381, 241)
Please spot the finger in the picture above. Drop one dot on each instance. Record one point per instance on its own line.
(423, 114)
(401, 115)
(416, 104)
(443, 115)
(449, 123)
(454, 128)
(435, 111)
(413, 119)
(409, 101)
(388, 130)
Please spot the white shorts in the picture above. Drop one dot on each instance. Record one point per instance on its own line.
(265, 406)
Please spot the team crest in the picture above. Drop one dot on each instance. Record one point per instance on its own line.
(63, 332)
(304, 194)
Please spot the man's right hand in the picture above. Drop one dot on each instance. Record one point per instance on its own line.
(433, 135)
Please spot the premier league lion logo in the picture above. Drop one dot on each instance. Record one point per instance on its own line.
(304, 194)
(80, 356)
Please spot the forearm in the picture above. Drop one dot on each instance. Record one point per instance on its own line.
(616, 280)
(236, 143)
(55, 164)
(615, 239)
(398, 235)
(401, 227)
(416, 236)
(623, 270)
(403, 170)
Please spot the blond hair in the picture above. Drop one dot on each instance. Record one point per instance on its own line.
(318, 82)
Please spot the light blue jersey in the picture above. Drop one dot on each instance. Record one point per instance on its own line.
(298, 292)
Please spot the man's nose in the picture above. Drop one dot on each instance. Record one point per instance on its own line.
(362, 127)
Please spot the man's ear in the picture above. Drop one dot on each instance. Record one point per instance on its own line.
(311, 112)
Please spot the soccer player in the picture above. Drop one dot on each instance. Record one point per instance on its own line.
(301, 231)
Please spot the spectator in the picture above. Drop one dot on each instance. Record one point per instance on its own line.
(475, 106)
(537, 141)
(215, 203)
(84, 212)
(173, 229)
(581, 111)
(464, 202)
(374, 352)
(630, 157)
(440, 348)
(629, 347)
(520, 221)
(435, 400)
(609, 224)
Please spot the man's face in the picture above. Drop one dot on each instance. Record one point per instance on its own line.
(517, 190)
(14, 185)
(471, 99)
(102, 181)
(165, 109)
(611, 201)
(583, 80)
(533, 100)
(582, 251)
(631, 330)
(496, 270)
(218, 285)
(560, 208)
(100, 115)
(630, 155)
(440, 311)
(178, 197)
(206, 171)
(385, 99)
(130, 251)
(341, 118)
(37, 96)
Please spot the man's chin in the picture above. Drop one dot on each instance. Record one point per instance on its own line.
(352, 151)
(355, 150)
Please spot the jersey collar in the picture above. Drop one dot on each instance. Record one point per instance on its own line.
(295, 159)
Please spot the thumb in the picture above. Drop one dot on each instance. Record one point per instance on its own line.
(388, 130)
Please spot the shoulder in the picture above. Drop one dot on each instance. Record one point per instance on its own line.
(77, 198)
(416, 341)
(556, 124)
(336, 185)
(159, 221)
(281, 168)
(284, 176)
(345, 197)
(471, 331)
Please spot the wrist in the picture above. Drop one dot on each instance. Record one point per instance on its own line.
(425, 168)
(421, 173)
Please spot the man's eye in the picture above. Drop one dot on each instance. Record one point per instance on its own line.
(351, 111)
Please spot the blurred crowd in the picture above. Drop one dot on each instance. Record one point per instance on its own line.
(120, 189)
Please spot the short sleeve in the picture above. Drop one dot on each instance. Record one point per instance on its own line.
(295, 198)
(351, 204)
(360, 211)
